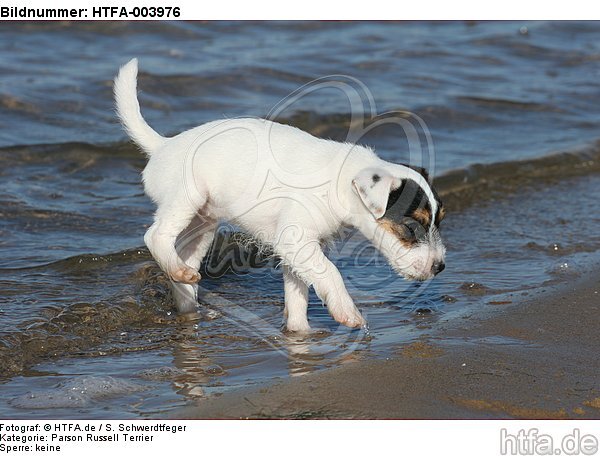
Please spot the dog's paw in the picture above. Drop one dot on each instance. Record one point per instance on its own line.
(298, 326)
(186, 275)
(348, 316)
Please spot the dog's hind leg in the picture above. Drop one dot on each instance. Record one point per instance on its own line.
(194, 242)
(161, 238)
(192, 245)
(186, 297)
(296, 301)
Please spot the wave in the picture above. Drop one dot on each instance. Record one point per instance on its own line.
(503, 103)
(461, 188)
(144, 301)
(79, 262)
(582, 161)
(50, 151)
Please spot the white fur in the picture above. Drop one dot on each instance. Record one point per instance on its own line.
(282, 185)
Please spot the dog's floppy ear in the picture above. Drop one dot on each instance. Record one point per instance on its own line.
(373, 186)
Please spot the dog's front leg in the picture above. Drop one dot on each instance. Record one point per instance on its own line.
(296, 302)
(308, 262)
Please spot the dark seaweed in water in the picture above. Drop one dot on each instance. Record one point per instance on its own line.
(80, 297)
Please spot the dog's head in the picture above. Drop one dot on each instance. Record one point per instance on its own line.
(406, 213)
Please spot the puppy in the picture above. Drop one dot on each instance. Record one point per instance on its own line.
(287, 189)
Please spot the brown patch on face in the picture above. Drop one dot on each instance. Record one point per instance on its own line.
(397, 230)
(440, 215)
(423, 216)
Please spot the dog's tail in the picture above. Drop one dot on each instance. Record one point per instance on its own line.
(128, 109)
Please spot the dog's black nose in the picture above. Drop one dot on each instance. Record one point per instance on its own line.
(438, 267)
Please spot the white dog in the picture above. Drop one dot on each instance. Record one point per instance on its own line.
(287, 189)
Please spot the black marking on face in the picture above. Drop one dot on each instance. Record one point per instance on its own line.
(376, 178)
(441, 212)
(408, 204)
(405, 200)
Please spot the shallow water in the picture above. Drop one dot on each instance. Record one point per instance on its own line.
(87, 323)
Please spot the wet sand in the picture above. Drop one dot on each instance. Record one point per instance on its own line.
(533, 359)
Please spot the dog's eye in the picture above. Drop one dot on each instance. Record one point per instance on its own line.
(414, 230)
(410, 232)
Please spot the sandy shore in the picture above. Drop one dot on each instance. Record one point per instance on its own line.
(532, 359)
